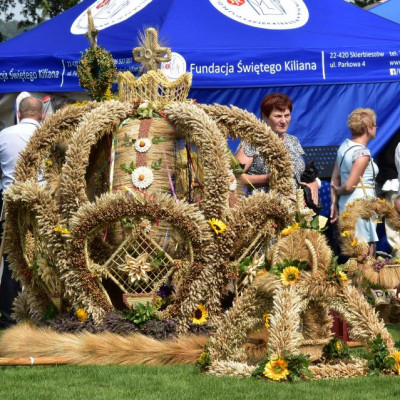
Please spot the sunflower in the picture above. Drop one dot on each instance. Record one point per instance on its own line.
(217, 225)
(142, 145)
(338, 347)
(266, 317)
(287, 231)
(142, 177)
(81, 314)
(345, 233)
(289, 276)
(200, 315)
(276, 369)
(396, 356)
(342, 276)
(62, 231)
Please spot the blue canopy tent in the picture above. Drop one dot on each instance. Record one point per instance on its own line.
(389, 10)
(328, 56)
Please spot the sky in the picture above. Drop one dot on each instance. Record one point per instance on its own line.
(17, 11)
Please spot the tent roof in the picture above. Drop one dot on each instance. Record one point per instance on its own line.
(327, 41)
(389, 10)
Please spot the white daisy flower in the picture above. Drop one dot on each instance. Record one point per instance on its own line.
(142, 145)
(142, 177)
(143, 105)
(232, 183)
(145, 225)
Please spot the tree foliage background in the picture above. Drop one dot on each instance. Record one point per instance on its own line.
(33, 12)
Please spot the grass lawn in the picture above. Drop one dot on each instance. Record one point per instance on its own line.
(179, 382)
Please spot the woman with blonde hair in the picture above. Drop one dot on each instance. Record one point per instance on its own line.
(354, 173)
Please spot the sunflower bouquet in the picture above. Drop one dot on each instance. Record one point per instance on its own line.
(288, 366)
(289, 270)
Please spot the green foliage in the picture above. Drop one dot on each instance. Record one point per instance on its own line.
(289, 262)
(259, 371)
(127, 223)
(363, 3)
(96, 72)
(128, 168)
(35, 11)
(158, 139)
(337, 272)
(303, 224)
(50, 312)
(127, 141)
(247, 262)
(204, 360)
(336, 350)
(159, 259)
(378, 357)
(298, 366)
(141, 313)
(236, 166)
(156, 164)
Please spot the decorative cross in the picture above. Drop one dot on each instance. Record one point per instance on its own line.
(150, 54)
(92, 32)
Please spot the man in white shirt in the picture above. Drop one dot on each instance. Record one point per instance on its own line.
(12, 141)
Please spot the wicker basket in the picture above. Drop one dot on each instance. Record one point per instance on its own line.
(313, 348)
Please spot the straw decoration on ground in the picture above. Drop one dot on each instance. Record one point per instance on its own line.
(100, 349)
(340, 370)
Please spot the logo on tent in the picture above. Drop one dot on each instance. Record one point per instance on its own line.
(265, 14)
(174, 68)
(107, 13)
